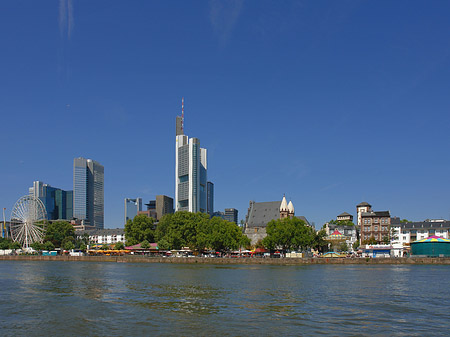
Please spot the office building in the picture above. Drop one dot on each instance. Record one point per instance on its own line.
(58, 203)
(190, 172)
(231, 215)
(158, 208)
(210, 196)
(88, 191)
(132, 208)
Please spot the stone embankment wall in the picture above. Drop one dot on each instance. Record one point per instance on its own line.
(243, 261)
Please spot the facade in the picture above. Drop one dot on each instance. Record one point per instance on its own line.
(104, 236)
(190, 172)
(88, 191)
(210, 201)
(231, 215)
(132, 208)
(375, 225)
(405, 233)
(58, 203)
(164, 205)
(261, 213)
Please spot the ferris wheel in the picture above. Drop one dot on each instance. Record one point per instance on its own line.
(28, 221)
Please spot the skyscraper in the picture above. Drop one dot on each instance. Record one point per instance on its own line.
(231, 215)
(88, 191)
(190, 171)
(58, 203)
(132, 208)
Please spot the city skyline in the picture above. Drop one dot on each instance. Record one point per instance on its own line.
(330, 103)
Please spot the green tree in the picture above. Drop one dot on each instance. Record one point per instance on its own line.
(319, 242)
(405, 220)
(68, 245)
(355, 245)
(15, 245)
(224, 235)
(145, 244)
(184, 229)
(82, 246)
(289, 234)
(5, 243)
(49, 245)
(163, 244)
(119, 246)
(37, 246)
(105, 247)
(139, 229)
(57, 231)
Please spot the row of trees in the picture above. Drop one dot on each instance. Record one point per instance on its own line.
(184, 229)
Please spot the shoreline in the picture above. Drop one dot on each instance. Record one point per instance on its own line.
(233, 261)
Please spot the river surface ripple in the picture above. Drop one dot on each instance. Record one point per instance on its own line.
(118, 299)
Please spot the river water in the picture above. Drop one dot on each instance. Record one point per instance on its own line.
(118, 299)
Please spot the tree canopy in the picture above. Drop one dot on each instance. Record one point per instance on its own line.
(58, 232)
(139, 229)
(197, 231)
(289, 234)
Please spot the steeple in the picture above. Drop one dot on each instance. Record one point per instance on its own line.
(284, 206)
(291, 209)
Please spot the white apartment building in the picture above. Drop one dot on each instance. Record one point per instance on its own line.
(104, 236)
(404, 233)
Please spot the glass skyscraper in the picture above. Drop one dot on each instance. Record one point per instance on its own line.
(190, 172)
(58, 203)
(88, 191)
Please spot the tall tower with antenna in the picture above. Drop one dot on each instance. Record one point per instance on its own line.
(190, 171)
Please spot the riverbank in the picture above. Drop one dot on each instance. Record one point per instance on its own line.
(225, 261)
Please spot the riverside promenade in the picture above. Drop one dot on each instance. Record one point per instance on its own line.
(230, 261)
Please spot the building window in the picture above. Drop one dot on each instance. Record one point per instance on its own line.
(375, 228)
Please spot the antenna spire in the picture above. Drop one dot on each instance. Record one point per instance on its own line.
(182, 114)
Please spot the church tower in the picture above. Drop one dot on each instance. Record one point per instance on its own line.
(284, 211)
(291, 210)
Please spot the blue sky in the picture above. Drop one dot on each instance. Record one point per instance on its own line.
(329, 102)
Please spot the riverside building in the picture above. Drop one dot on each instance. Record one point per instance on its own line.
(191, 192)
(261, 213)
(88, 191)
(373, 224)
